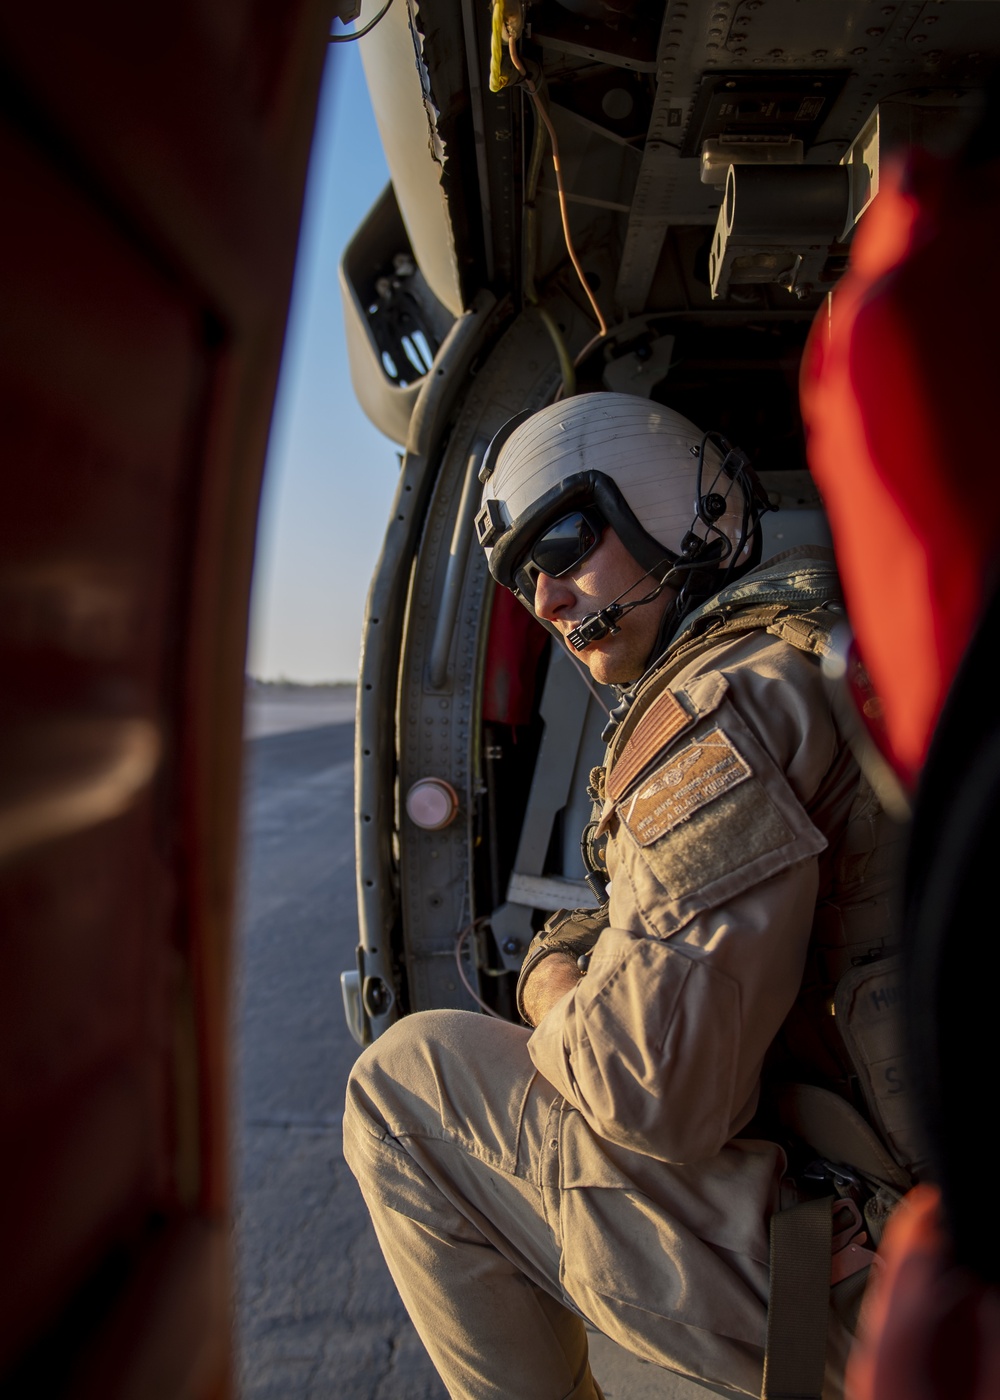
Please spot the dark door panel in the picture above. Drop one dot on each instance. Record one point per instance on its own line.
(154, 161)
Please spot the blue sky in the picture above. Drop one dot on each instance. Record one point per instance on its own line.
(330, 475)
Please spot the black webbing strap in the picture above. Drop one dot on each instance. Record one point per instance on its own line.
(798, 1309)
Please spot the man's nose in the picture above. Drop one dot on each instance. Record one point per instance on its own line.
(552, 596)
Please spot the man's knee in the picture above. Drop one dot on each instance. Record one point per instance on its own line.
(423, 1082)
(433, 1073)
(397, 1081)
(396, 1066)
(383, 1086)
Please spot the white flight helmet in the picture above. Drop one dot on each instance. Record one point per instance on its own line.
(684, 503)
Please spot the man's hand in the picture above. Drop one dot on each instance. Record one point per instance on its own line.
(552, 958)
(548, 982)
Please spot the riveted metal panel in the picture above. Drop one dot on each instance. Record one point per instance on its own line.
(437, 715)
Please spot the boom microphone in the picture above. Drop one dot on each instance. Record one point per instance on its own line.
(595, 626)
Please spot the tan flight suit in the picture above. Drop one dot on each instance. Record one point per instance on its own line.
(592, 1168)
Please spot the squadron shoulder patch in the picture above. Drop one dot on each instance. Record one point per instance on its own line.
(690, 779)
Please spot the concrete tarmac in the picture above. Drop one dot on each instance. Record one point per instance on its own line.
(318, 1316)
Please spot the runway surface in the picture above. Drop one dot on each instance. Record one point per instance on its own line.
(318, 1316)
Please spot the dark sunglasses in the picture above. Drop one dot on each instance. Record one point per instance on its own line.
(560, 548)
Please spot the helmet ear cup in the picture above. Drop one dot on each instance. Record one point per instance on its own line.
(731, 517)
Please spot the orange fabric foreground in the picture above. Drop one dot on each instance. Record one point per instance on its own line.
(899, 399)
(898, 396)
(930, 1329)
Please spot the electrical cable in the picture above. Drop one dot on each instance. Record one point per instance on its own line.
(568, 386)
(585, 354)
(459, 945)
(589, 349)
(584, 675)
(360, 33)
(566, 370)
(543, 115)
(498, 79)
(531, 179)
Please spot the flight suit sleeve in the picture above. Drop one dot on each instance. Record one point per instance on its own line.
(713, 859)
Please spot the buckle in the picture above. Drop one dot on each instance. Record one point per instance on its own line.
(849, 1255)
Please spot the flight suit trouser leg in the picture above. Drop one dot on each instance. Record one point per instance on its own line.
(456, 1153)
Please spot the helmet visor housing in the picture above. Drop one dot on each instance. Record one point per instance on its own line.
(559, 549)
(510, 543)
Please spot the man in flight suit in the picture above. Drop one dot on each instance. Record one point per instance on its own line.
(599, 1166)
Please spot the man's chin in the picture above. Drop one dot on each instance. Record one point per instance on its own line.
(604, 667)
